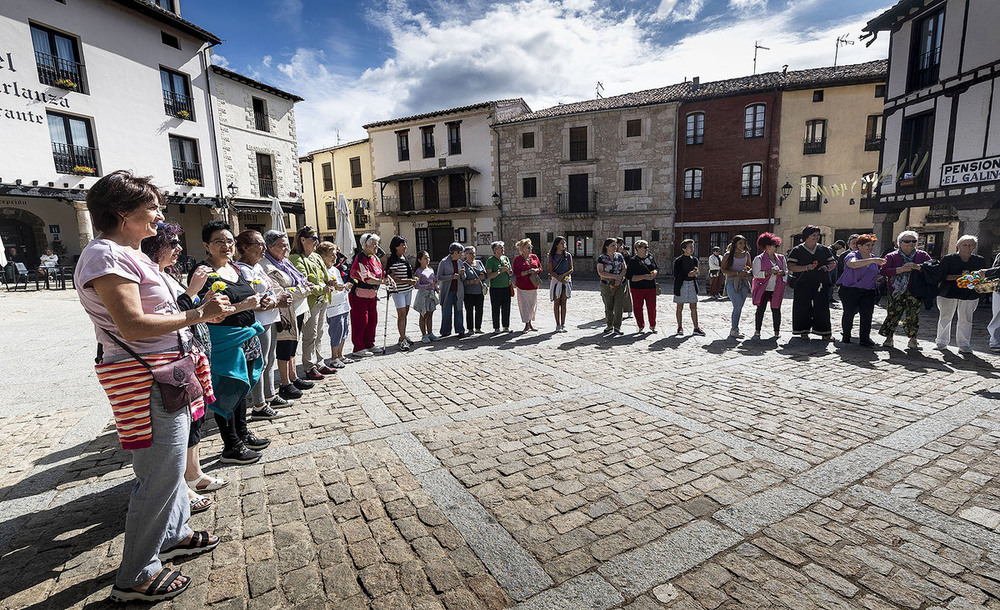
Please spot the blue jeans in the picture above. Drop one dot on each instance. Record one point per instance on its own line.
(451, 307)
(737, 293)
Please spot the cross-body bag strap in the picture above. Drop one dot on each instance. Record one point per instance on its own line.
(180, 347)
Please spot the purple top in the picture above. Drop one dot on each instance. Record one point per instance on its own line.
(860, 277)
(103, 257)
(425, 279)
(894, 260)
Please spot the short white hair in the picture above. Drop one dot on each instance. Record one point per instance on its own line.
(972, 238)
(912, 234)
(367, 237)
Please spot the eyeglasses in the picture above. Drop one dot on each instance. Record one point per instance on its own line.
(313, 237)
(907, 241)
(174, 243)
(258, 243)
(223, 242)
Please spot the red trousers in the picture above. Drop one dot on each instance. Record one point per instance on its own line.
(647, 296)
(364, 321)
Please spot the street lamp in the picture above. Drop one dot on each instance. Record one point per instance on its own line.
(232, 189)
(496, 199)
(785, 192)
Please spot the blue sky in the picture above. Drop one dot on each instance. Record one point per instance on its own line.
(361, 62)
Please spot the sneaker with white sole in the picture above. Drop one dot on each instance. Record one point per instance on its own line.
(434, 337)
(425, 339)
(265, 413)
(362, 354)
(278, 403)
(376, 349)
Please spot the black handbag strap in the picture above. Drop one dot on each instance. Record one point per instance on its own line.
(180, 347)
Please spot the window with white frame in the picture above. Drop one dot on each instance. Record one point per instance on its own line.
(692, 183)
(752, 174)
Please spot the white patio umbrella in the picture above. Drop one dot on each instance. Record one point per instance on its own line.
(277, 216)
(3, 254)
(345, 232)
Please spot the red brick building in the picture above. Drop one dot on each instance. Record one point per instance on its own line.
(727, 161)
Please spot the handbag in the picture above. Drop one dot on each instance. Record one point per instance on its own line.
(178, 384)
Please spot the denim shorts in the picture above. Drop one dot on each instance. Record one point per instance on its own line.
(338, 327)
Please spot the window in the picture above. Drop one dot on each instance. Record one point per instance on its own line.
(432, 195)
(695, 128)
(455, 138)
(869, 185)
(528, 139)
(753, 123)
(579, 194)
(879, 91)
(170, 40)
(177, 100)
(752, 173)
(260, 115)
(529, 187)
(427, 140)
(815, 140)
(633, 179)
(265, 175)
(457, 195)
(578, 144)
(72, 144)
(581, 243)
(536, 242)
(692, 184)
(403, 145)
(915, 150)
(423, 239)
(655, 235)
(360, 212)
(327, 176)
(331, 215)
(925, 55)
(873, 132)
(633, 128)
(719, 240)
(167, 4)
(355, 172)
(184, 154)
(697, 241)
(58, 59)
(809, 195)
(406, 195)
(818, 95)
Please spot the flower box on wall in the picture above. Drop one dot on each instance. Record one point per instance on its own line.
(84, 170)
(65, 83)
(192, 182)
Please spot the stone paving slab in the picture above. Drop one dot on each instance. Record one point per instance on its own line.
(542, 471)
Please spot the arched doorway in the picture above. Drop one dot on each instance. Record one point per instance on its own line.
(25, 231)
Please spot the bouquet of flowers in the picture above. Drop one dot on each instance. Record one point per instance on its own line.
(977, 282)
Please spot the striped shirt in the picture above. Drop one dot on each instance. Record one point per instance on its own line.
(400, 270)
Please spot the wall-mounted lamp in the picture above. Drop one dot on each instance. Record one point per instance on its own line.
(826, 201)
(785, 192)
(852, 200)
(232, 189)
(496, 199)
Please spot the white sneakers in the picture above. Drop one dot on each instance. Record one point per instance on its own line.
(363, 354)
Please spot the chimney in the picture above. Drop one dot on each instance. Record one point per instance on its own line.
(784, 69)
(695, 83)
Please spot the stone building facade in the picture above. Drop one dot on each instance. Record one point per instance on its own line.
(435, 175)
(591, 170)
(258, 149)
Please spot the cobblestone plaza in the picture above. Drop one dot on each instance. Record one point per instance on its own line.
(540, 471)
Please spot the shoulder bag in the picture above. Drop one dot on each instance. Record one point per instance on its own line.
(179, 386)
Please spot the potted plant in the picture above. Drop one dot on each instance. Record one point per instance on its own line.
(84, 170)
(184, 114)
(66, 83)
(192, 182)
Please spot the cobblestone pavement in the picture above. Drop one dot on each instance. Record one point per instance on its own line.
(540, 471)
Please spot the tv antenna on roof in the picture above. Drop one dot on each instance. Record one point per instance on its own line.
(756, 47)
(841, 41)
(598, 89)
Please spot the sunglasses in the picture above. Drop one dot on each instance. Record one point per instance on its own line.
(174, 243)
(907, 241)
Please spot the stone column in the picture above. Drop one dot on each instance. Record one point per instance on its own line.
(973, 222)
(84, 226)
(884, 222)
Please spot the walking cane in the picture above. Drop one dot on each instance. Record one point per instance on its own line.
(385, 321)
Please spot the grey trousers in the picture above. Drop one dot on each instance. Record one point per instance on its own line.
(312, 336)
(265, 385)
(158, 509)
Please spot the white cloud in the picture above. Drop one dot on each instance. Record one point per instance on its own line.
(546, 51)
(744, 5)
(220, 60)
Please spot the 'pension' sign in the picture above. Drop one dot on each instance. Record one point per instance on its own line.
(969, 172)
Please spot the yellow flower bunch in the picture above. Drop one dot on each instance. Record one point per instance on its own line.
(218, 286)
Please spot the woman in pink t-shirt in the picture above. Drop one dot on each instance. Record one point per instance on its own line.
(129, 302)
(368, 275)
